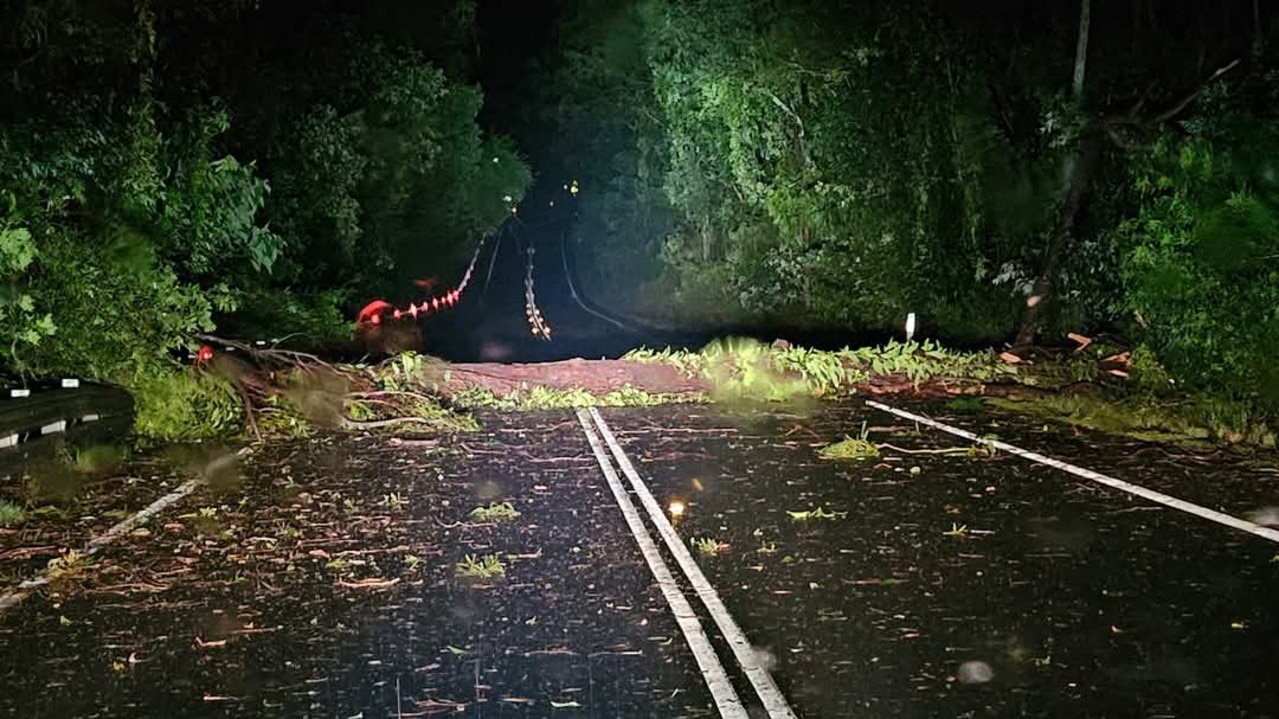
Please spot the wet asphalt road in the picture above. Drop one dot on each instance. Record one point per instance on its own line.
(320, 579)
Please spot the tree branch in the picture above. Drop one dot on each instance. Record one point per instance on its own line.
(1131, 117)
(1190, 97)
(799, 122)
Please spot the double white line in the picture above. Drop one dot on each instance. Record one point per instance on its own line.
(726, 699)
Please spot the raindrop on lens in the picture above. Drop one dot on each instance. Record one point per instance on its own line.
(974, 672)
(765, 658)
(1266, 517)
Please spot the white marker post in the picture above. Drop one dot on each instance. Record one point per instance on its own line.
(910, 326)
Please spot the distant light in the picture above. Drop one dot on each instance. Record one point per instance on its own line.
(910, 326)
(552, 203)
(495, 161)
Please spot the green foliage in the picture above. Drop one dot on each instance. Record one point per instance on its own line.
(540, 398)
(24, 326)
(11, 514)
(1193, 420)
(383, 175)
(116, 311)
(178, 406)
(268, 312)
(486, 567)
(920, 362)
(817, 167)
(495, 513)
(1199, 260)
(753, 161)
(850, 448)
(209, 216)
(745, 368)
(134, 212)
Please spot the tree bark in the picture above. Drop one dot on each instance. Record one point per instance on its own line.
(1083, 169)
(1081, 49)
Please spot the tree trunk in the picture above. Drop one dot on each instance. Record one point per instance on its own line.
(1084, 168)
(1077, 82)
(1081, 49)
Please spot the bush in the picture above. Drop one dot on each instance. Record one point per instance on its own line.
(1198, 261)
(175, 405)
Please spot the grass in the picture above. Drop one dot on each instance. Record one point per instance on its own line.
(11, 514)
(99, 459)
(495, 513)
(487, 567)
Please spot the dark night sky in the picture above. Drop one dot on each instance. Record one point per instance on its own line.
(514, 34)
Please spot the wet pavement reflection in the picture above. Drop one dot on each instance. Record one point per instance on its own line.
(491, 574)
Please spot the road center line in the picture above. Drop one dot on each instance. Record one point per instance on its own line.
(1211, 515)
(713, 672)
(771, 697)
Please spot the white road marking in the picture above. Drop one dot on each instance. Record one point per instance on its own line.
(59, 426)
(771, 697)
(726, 699)
(13, 598)
(1211, 515)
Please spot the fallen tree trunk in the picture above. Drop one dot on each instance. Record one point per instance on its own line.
(603, 376)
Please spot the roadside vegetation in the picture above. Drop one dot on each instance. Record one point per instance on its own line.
(167, 172)
(285, 394)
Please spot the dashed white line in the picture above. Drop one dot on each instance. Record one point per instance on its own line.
(771, 697)
(1211, 515)
(726, 699)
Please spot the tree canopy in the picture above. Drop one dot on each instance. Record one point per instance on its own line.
(166, 165)
(994, 166)
(1008, 171)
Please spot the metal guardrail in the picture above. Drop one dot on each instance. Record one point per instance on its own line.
(36, 420)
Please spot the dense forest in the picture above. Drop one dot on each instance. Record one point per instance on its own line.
(1009, 171)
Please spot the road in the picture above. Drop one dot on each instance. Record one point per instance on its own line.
(320, 578)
